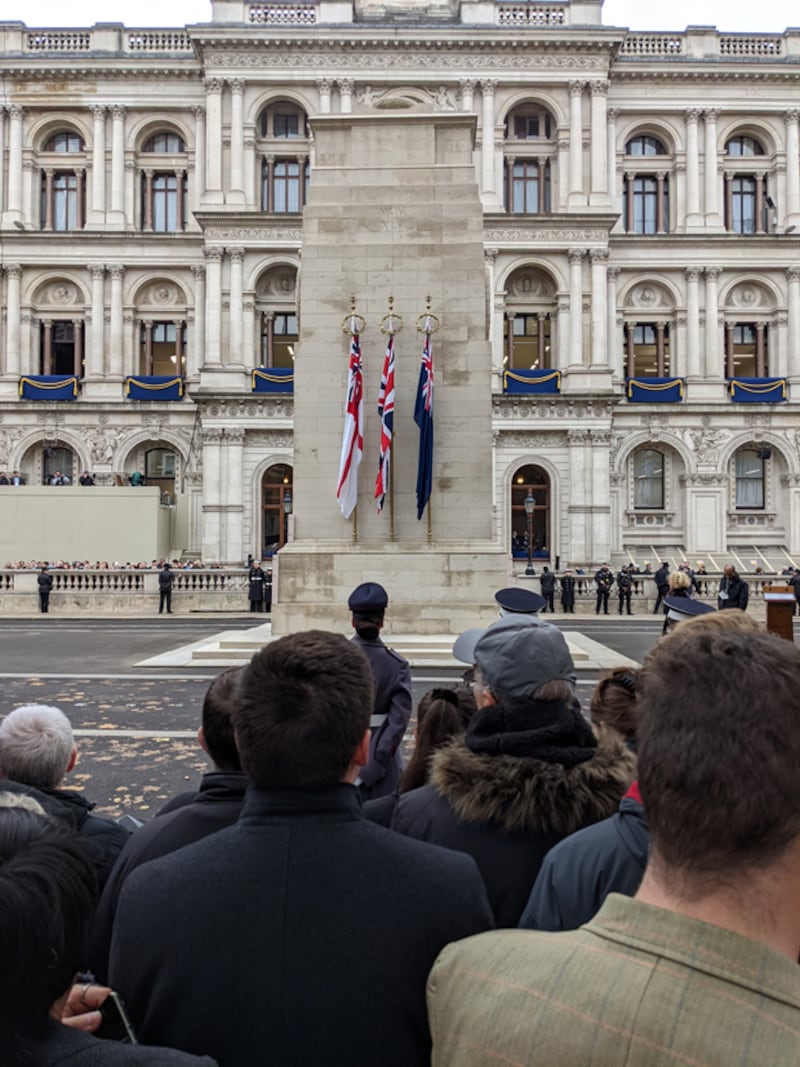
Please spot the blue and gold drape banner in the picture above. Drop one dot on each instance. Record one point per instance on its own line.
(272, 380)
(655, 390)
(758, 390)
(153, 387)
(531, 381)
(48, 387)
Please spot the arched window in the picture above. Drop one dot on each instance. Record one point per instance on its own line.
(165, 142)
(529, 150)
(164, 185)
(744, 146)
(56, 459)
(284, 169)
(747, 198)
(644, 145)
(646, 191)
(530, 522)
(61, 347)
(276, 501)
(749, 479)
(648, 479)
(65, 141)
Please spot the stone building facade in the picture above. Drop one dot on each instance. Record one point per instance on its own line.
(635, 309)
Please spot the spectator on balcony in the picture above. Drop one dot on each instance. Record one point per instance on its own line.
(86, 478)
(60, 479)
(137, 478)
(17, 478)
(4, 479)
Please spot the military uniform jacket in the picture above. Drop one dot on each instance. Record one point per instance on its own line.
(638, 985)
(391, 713)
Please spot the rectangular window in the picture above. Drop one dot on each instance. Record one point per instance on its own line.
(645, 205)
(743, 205)
(648, 480)
(530, 343)
(749, 480)
(286, 187)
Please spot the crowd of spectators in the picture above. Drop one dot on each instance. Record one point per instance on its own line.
(104, 565)
(542, 885)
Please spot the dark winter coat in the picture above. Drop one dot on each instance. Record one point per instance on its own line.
(166, 579)
(580, 872)
(216, 806)
(661, 578)
(390, 715)
(548, 583)
(257, 582)
(106, 837)
(738, 593)
(508, 812)
(624, 582)
(45, 582)
(568, 591)
(604, 579)
(73, 1048)
(301, 936)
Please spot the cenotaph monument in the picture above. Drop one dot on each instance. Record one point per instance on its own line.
(393, 211)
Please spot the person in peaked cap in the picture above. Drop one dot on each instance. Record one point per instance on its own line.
(530, 769)
(516, 601)
(682, 608)
(393, 700)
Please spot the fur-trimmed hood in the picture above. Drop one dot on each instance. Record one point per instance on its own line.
(530, 795)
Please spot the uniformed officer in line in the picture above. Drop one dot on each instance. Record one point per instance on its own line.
(393, 700)
(512, 601)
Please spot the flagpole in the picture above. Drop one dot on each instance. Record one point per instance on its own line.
(427, 324)
(391, 324)
(355, 525)
(352, 441)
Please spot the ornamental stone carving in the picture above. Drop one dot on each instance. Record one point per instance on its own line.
(648, 296)
(160, 294)
(749, 295)
(706, 443)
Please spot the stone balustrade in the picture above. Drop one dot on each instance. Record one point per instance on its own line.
(125, 592)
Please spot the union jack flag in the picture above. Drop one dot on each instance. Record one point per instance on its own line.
(386, 412)
(423, 417)
(353, 438)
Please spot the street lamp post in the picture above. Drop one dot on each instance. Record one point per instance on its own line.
(530, 504)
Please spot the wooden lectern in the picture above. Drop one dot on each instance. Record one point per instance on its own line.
(780, 601)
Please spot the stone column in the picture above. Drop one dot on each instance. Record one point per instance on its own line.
(693, 217)
(792, 216)
(15, 163)
(576, 197)
(199, 187)
(232, 540)
(599, 352)
(116, 271)
(248, 357)
(778, 356)
(97, 212)
(118, 165)
(579, 492)
(195, 355)
(613, 336)
(13, 321)
(147, 220)
(611, 156)
(793, 305)
(345, 95)
(324, 90)
(94, 355)
(236, 191)
(713, 366)
(489, 262)
(214, 192)
(562, 319)
(212, 494)
(236, 256)
(49, 198)
(693, 367)
(489, 195)
(213, 354)
(713, 217)
(3, 134)
(576, 307)
(79, 350)
(467, 87)
(599, 143)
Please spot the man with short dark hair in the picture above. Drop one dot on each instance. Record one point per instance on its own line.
(701, 966)
(166, 580)
(303, 934)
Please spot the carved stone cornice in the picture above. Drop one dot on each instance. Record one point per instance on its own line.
(402, 55)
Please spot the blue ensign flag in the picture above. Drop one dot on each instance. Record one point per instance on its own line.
(423, 417)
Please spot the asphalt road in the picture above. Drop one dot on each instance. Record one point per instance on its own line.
(136, 727)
